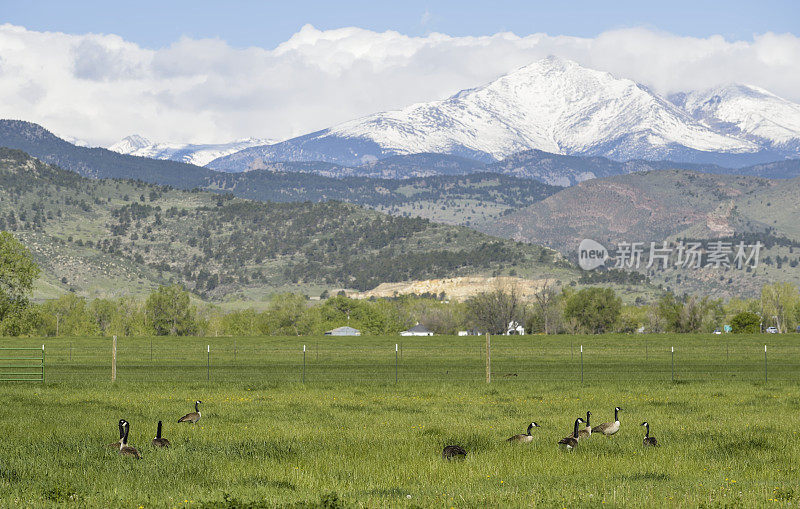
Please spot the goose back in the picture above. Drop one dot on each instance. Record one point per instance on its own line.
(451, 452)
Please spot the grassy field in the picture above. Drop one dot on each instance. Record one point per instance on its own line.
(351, 436)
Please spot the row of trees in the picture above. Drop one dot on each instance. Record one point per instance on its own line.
(170, 310)
(596, 310)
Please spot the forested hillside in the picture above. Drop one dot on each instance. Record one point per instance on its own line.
(97, 162)
(465, 199)
(111, 237)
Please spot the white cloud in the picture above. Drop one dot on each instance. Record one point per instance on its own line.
(101, 87)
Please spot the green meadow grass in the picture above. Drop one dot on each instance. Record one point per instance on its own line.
(351, 436)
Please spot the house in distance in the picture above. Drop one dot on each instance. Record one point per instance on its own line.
(343, 331)
(417, 330)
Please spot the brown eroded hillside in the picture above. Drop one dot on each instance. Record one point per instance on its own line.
(637, 207)
(675, 205)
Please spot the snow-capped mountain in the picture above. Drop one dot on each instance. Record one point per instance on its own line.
(553, 105)
(199, 155)
(746, 112)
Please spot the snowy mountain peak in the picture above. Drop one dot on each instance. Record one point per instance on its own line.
(553, 65)
(130, 144)
(746, 111)
(553, 105)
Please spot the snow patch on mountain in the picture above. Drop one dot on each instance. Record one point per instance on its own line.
(745, 111)
(197, 154)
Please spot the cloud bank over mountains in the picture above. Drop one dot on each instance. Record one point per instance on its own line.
(100, 88)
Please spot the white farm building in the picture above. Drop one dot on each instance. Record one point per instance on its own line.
(417, 330)
(343, 331)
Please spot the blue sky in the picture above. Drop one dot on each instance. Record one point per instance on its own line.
(155, 24)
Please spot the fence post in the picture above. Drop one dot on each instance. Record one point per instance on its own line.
(673, 363)
(304, 364)
(396, 353)
(114, 359)
(581, 363)
(42, 363)
(488, 359)
(208, 363)
(765, 363)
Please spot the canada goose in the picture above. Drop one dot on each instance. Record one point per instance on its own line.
(648, 440)
(124, 448)
(571, 441)
(158, 441)
(524, 438)
(609, 428)
(192, 417)
(121, 424)
(454, 452)
(586, 432)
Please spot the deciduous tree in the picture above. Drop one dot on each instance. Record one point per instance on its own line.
(778, 302)
(594, 309)
(745, 322)
(18, 271)
(170, 311)
(493, 311)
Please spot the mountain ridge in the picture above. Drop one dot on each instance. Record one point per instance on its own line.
(191, 153)
(553, 105)
(745, 111)
(552, 169)
(96, 162)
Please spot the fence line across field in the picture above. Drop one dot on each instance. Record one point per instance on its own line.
(502, 360)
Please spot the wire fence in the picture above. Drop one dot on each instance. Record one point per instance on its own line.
(382, 359)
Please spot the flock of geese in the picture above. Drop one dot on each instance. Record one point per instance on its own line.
(569, 442)
(125, 427)
(450, 452)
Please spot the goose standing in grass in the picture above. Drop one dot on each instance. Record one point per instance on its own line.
(648, 440)
(124, 448)
(609, 428)
(524, 438)
(121, 424)
(454, 452)
(192, 417)
(571, 441)
(586, 432)
(158, 441)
